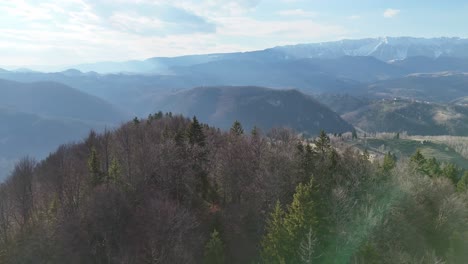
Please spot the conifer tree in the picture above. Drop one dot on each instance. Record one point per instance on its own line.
(114, 171)
(354, 134)
(214, 250)
(322, 143)
(136, 121)
(237, 129)
(273, 244)
(389, 162)
(94, 167)
(195, 133)
(451, 172)
(462, 185)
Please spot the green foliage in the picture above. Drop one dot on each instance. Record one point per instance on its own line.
(136, 121)
(458, 248)
(114, 171)
(462, 185)
(389, 162)
(452, 172)
(285, 234)
(214, 250)
(94, 167)
(237, 129)
(195, 133)
(273, 244)
(322, 143)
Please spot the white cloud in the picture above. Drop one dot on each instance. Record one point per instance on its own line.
(297, 13)
(390, 13)
(354, 17)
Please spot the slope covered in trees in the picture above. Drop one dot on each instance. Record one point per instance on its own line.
(173, 190)
(255, 106)
(414, 117)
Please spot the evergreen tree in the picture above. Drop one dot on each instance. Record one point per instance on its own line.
(354, 134)
(462, 185)
(136, 121)
(114, 171)
(273, 244)
(285, 234)
(419, 161)
(214, 250)
(389, 162)
(323, 143)
(451, 172)
(432, 167)
(94, 167)
(237, 129)
(397, 136)
(195, 133)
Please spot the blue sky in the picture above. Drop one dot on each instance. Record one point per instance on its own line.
(67, 32)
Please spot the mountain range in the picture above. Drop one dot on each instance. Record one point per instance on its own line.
(357, 79)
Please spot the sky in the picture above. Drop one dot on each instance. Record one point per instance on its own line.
(70, 32)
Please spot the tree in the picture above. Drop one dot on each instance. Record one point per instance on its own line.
(322, 143)
(114, 171)
(195, 133)
(462, 185)
(354, 134)
(397, 136)
(389, 162)
(136, 121)
(214, 250)
(285, 235)
(418, 160)
(94, 168)
(237, 129)
(451, 172)
(273, 250)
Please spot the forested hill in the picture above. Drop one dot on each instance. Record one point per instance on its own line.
(255, 106)
(172, 190)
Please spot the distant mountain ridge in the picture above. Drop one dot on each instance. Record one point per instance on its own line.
(384, 48)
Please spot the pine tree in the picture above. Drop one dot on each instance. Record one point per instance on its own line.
(237, 129)
(389, 162)
(451, 172)
(136, 121)
(322, 143)
(418, 160)
(94, 167)
(214, 250)
(285, 231)
(114, 171)
(195, 133)
(354, 134)
(273, 243)
(462, 185)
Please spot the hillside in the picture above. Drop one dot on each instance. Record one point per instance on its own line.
(416, 118)
(171, 190)
(265, 108)
(53, 99)
(25, 134)
(437, 87)
(404, 148)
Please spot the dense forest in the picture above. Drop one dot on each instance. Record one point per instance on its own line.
(169, 189)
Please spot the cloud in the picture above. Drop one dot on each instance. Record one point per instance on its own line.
(390, 13)
(354, 17)
(297, 13)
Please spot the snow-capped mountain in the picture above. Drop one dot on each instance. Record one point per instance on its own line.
(385, 48)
